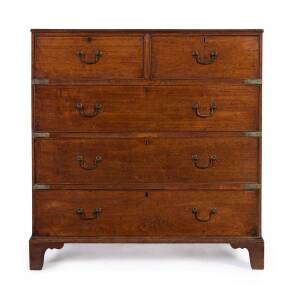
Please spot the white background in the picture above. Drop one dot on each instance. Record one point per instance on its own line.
(144, 271)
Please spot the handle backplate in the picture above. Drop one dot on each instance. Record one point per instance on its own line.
(211, 161)
(85, 166)
(80, 108)
(195, 212)
(212, 109)
(83, 57)
(205, 61)
(81, 213)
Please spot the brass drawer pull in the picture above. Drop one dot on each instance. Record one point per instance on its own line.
(80, 108)
(81, 54)
(212, 109)
(211, 161)
(211, 213)
(202, 61)
(85, 166)
(81, 213)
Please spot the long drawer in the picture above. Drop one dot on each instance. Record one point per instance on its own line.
(201, 107)
(186, 56)
(88, 58)
(155, 213)
(137, 160)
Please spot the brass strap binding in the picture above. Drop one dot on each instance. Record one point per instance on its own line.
(40, 135)
(253, 133)
(253, 81)
(251, 186)
(39, 81)
(41, 187)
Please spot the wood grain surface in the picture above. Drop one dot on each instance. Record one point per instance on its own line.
(141, 213)
(147, 108)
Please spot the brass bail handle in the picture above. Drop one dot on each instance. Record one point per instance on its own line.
(83, 57)
(87, 167)
(213, 55)
(211, 213)
(211, 161)
(212, 109)
(81, 213)
(81, 109)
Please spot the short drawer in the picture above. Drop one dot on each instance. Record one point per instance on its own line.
(159, 213)
(200, 107)
(185, 57)
(88, 58)
(153, 160)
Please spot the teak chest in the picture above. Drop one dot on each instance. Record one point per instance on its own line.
(146, 136)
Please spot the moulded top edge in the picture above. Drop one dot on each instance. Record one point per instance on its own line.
(149, 30)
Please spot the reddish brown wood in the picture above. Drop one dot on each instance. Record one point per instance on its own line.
(257, 244)
(147, 82)
(153, 160)
(147, 56)
(163, 108)
(146, 239)
(37, 251)
(60, 32)
(56, 57)
(256, 251)
(237, 57)
(146, 213)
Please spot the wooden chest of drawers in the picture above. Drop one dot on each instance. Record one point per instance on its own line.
(146, 136)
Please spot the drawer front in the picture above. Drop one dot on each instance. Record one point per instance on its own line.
(153, 160)
(182, 57)
(99, 57)
(161, 213)
(211, 107)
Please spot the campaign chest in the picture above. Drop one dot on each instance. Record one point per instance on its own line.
(146, 136)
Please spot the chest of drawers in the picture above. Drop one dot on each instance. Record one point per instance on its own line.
(146, 136)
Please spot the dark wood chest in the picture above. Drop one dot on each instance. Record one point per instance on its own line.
(146, 136)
